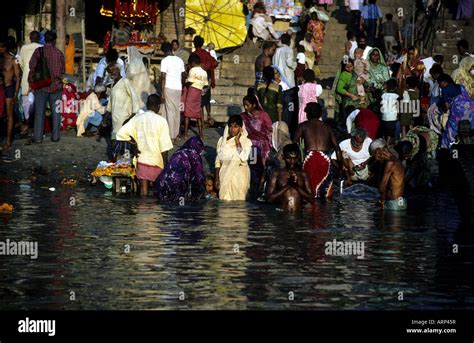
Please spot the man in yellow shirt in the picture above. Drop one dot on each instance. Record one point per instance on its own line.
(151, 133)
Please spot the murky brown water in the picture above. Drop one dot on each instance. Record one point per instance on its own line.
(230, 255)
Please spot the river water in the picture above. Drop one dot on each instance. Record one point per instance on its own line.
(119, 252)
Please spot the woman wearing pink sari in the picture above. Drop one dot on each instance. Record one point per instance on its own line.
(259, 128)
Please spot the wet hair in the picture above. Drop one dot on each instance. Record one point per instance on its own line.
(389, 16)
(198, 42)
(361, 36)
(308, 75)
(193, 58)
(313, 110)
(35, 36)
(111, 56)
(395, 67)
(463, 44)
(300, 48)
(349, 109)
(268, 76)
(403, 148)
(252, 99)
(412, 82)
(235, 119)
(445, 78)
(50, 36)
(358, 132)
(175, 41)
(166, 47)
(439, 59)
(291, 148)
(267, 45)
(391, 84)
(153, 100)
(379, 143)
(436, 69)
(285, 39)
(350, 35)
(210, 177)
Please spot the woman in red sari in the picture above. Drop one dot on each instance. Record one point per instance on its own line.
(259, 127)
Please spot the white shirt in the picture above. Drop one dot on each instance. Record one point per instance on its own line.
(428, 62)
(25, 56)
(285, 61)
(352, 50)
(101, 68)
(354, 5)
(357, 157)
(173, 66)
(151, 132)
(389, 107)
(301, 58)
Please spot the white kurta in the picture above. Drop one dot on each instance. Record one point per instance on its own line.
(25, 56)
(90, 105)
(122, 103)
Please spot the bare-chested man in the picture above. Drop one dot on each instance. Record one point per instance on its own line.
(288, 187)
(318, 139)
(264, 60)
(392, 185)
(11, 74)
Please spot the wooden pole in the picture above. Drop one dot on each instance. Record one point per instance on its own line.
(84, 51)
(60, 25)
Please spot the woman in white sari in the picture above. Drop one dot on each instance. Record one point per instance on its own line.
(232, 169)
(138, 75)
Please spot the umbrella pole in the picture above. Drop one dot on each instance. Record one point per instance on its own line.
(83, 34)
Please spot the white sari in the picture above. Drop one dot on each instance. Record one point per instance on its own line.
(234, 172)
(138, 75)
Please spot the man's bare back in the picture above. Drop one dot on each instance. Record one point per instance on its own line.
(261, 62)
(317, 135)
(9, 69)
(393, 182)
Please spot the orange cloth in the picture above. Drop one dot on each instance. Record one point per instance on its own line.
(70, 57)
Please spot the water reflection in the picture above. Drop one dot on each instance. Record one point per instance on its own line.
(130, 253)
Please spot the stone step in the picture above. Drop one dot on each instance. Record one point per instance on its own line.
(231, 91)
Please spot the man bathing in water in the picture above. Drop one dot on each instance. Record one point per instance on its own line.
(288, 187)
(392, 185)
(318, 139)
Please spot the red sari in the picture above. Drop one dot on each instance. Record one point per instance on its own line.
(259, 128)
(70, 106)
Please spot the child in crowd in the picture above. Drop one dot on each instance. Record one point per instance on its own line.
(210, 48)
(301, 65)
(351, 44)
(195, 83)
(389, 110)
(308, 92)
(210, 187)
(361, 68)
(411, 108)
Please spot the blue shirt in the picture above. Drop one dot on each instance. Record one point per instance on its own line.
(371, 12)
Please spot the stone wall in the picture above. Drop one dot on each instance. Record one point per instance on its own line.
(168, 21)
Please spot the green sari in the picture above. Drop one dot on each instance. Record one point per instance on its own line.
(378, 73)
(345, 82)
(270, 99)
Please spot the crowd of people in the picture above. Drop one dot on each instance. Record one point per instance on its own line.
(394, 109)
